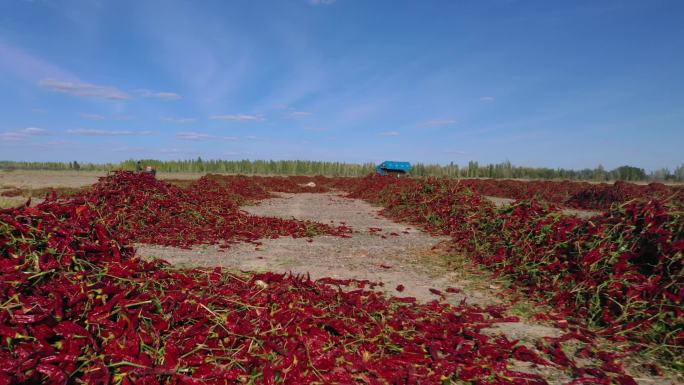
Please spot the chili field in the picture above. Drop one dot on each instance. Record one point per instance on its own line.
(79, 305)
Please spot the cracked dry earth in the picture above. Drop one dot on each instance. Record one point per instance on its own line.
(410, 257)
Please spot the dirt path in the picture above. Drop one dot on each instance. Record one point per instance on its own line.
(396, 255)
(411, 258)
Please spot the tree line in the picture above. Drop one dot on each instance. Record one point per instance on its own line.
(506, 170)
(305, 167)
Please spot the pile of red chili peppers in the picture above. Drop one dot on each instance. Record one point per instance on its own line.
(621, 272)
(147, 210)
(581, 195)
(77, 305)
(292, 184)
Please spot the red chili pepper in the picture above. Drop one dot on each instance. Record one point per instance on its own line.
(55, 375)
(436, 292)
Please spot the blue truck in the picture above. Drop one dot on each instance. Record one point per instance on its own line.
(394, 168)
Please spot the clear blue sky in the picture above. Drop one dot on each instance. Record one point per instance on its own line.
(543, 83)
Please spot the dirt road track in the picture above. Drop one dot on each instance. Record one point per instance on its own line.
(406, 258)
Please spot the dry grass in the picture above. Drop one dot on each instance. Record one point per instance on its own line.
(7, 202)
(40, 179)
(36, 179)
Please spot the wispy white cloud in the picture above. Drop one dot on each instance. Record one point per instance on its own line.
(321, 2)
(437, 123)
(178, 120)
(59, 142)
(84, 89)
(299, 114)
(79, 88)
(102, 117)
(12, 136)
(33, 131)
(17, 62)
(389, 133)
(238, 118)
(201, 136)
(193, 136)
(23, 133)
(97, 132)
(157, 94)
(92, 117)
(487, 99)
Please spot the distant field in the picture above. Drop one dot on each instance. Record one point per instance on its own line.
(34, 179)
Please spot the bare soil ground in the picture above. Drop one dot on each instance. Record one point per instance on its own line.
(34, 179)
(40, 179)
(406, 258)
(411, 258)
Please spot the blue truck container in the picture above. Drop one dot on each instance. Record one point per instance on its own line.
(390, 167)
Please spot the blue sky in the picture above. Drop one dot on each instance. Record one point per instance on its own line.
(548, 83)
